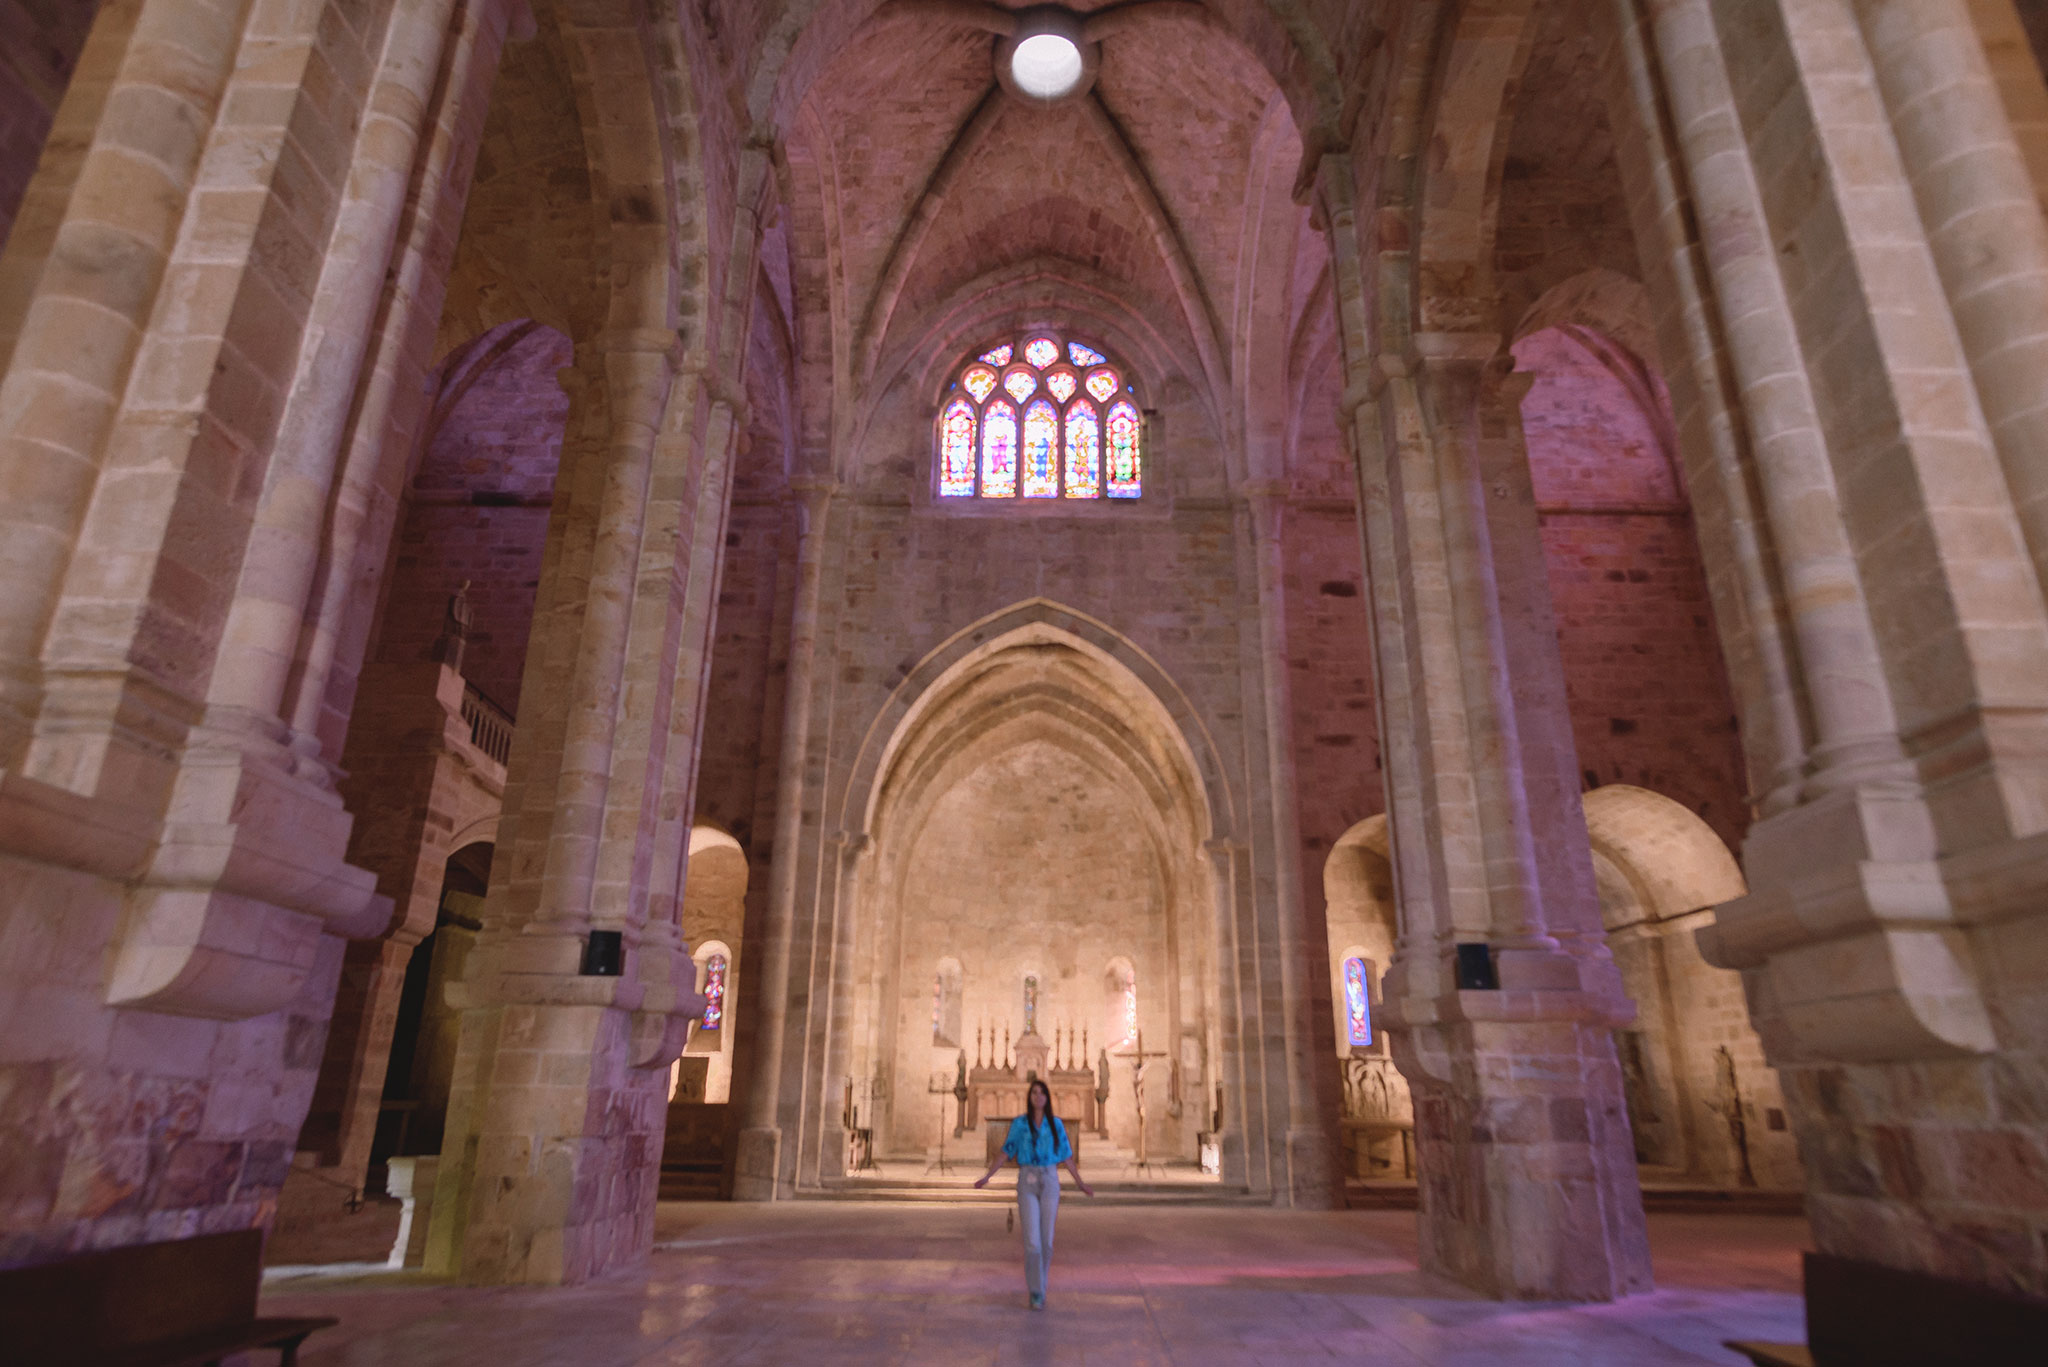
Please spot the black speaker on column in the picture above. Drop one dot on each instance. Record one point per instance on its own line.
(604, 954)
(1475, 968)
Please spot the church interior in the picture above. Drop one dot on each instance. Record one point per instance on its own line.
(620, 618)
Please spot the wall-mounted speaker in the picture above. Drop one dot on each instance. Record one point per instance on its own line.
(1475, 968)
(604, 954)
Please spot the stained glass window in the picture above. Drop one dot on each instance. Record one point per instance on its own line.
(1084, 452)
(956, 450)
(1041, 418)
(1357, 1003)
(1030, 1005)
(714, 992)
(999, 451)
(1123, 451)
(1041, 451)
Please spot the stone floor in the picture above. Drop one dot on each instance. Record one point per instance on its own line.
(806, 1283)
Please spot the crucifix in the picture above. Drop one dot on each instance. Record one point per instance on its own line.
(1141, 1064)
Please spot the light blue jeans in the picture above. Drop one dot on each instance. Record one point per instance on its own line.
(1038, 1205)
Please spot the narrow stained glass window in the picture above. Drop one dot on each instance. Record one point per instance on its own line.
(1020, 384)
(1060, 384)
(714, 992)
(1357, 1003)
(1084, 452)
(1124, 478)
(1041, 451)
(956, 451)
(999, 451)
(1083, 356)
(999, 356)
(980, 381)
(1041, 351)
(1102, 384)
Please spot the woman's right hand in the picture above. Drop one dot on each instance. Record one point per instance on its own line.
(980, 1182)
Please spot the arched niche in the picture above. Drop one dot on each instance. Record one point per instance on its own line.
(1358, 893)
(1036, 810)
(1704, 1105)
(714, 914)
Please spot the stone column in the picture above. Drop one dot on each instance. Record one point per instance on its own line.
(1981, 210)
(1247, 1158)
(555, 1121)
(759, 1171)
(1850, 255)
(1312, 1180)
(183, 309)
(834, 1028)
(1527, 1171)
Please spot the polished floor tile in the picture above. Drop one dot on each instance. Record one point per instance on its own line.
(815, 1283)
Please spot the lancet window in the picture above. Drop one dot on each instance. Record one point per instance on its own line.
(946, 1004)
(1121, 981)
(1357, 1002)
(714, 992)
(1040, 418)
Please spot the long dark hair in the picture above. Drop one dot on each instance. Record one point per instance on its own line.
(1038, 1084)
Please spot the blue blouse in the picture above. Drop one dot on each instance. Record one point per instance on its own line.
(1042, 1147)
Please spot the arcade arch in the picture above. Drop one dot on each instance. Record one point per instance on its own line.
(1039, 822)
(1705, 1107)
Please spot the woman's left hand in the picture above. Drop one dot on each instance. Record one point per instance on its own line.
(1086, 1190)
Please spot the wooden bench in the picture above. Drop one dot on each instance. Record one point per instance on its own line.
(1862, 1314)
(184, 1303)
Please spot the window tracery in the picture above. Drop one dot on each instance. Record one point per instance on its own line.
(1040, 418)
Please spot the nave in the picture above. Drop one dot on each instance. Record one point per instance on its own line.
(875, 1283)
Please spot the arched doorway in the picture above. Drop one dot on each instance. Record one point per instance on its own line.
(1037, 866)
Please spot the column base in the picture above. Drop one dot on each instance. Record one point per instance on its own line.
(1527, 1171)
(755, 1165)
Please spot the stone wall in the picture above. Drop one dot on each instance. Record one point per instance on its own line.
(1329, 657)
(1643, 669)
(477, 511)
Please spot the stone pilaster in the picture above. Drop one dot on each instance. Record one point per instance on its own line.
(761, 1172)
(1312, 1179)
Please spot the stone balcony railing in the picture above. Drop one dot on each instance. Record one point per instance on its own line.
(490, 726)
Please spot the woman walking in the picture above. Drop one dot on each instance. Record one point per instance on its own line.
(1038, 1142)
